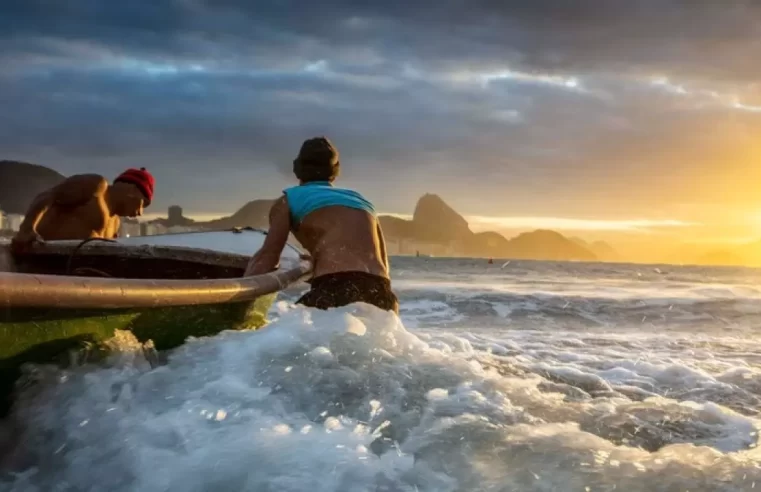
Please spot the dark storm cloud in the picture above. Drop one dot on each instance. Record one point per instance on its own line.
(405, 88)
(699, 37)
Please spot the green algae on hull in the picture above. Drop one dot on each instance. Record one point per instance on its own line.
(50, 335)
(21, 329)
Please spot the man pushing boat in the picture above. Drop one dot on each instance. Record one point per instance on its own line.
(85, 206)
(338, 227)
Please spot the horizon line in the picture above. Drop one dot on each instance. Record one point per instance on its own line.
(485, 222)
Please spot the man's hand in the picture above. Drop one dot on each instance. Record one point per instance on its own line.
(251, 268)
(23, 241)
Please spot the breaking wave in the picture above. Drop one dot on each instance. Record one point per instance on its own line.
(352, 400)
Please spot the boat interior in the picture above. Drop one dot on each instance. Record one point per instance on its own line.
(123, 261)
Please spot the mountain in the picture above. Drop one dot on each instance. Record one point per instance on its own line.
(748, 254)
(21, 182)
(602, 250)
(396, 227)
(434, 221)
(253, 214)
(487, 244)
(547, 245)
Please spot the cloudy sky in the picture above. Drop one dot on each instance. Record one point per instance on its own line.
(588, 114)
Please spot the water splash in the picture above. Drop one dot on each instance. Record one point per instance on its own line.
(350, 400)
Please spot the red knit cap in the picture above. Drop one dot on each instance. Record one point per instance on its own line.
(140, 178)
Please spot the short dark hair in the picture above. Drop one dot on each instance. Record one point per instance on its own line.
(317, 161)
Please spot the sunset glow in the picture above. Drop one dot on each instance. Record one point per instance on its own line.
(618, 136)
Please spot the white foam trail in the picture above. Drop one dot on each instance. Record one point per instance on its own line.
(350, 400)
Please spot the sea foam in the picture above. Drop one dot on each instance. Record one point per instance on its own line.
(351, 400)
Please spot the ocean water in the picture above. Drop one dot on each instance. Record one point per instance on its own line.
(523, 376)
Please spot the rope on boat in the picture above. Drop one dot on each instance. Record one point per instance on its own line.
(76, 250)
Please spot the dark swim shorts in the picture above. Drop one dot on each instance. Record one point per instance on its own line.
(343, 288)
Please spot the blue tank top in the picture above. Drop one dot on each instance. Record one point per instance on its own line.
(308, 197)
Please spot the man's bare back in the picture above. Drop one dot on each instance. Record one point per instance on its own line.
(356, 246)
(85, 206)
(338, 227)
(77, 210)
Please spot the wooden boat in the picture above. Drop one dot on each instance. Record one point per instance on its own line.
(165, 288)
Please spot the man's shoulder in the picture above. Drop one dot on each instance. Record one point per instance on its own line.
(281, 201)
(357, 194)
(79, 189)
(90, 181)
(302, 192)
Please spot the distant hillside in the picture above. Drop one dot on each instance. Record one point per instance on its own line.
(487, 244)
(253, 214)
(396, 227)
(21, 182)
(742, 255)
(602, 250)
(547, 245)
(748, 254)
(434, 221)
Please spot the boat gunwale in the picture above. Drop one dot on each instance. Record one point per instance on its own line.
(77, 292)
(137, 251)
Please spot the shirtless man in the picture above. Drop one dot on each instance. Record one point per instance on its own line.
(337, 226)
(85, 206)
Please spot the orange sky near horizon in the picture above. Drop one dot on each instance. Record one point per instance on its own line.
(738, 227)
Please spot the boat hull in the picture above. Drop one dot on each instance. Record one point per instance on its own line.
(54, 335)
(167, 327)
(50, 318)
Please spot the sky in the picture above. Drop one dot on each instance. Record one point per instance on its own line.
(597, 116)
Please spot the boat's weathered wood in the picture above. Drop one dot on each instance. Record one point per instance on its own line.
(30, 290)
(77, 292)
(180, 253)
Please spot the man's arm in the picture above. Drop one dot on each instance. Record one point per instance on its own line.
(382, 240)
(268, 257)
(113, 228)
(34, 213)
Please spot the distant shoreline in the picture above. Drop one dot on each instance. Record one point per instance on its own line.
(498, 262)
